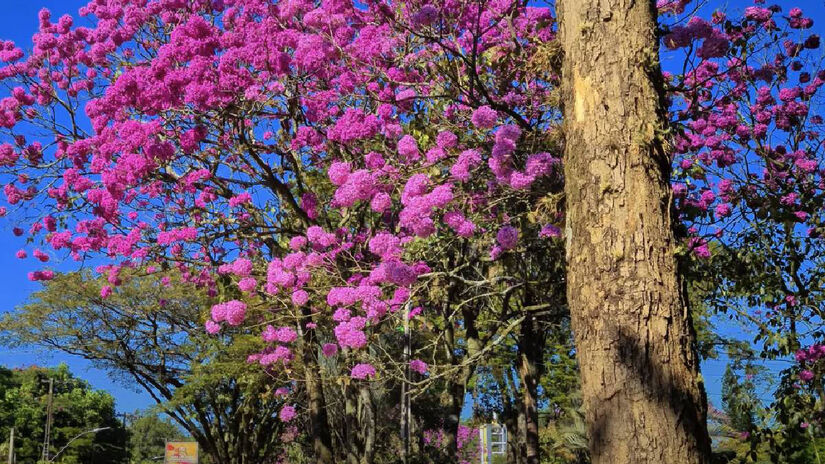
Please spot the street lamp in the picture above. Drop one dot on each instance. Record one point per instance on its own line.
(99, 429)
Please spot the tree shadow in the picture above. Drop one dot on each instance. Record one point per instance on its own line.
(651, 378)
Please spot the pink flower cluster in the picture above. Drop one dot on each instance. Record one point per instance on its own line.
(287, 413)
(362, 371)
(280, 335)
(232, 312)
(419, 366)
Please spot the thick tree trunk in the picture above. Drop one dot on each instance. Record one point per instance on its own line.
(318, 421)
(644, 401)
(457, 384)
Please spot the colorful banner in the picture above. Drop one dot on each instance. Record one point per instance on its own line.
(181, 452)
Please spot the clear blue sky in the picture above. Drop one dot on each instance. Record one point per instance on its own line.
(17, 23)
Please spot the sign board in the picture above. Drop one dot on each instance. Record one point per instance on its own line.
(181, 452)
(493, 439)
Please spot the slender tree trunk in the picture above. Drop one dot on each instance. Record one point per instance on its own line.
(511, 414)
(454, 393)
(321, 439)
(644, 401)
(353, 434)
(451, 423)
(521, 429)
(457, 384)
(368, 424)
(457, 387)
(531, 344)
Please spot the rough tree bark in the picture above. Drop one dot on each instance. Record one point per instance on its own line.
(353, 432)
(644, 400)
(368, 423)
(318, 421)
(457, 383)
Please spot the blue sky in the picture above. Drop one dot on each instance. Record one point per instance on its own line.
(17, 23)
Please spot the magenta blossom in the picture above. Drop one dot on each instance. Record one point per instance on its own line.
(362, 371)
(287, 413)
(212, 327)
(507, 237)
(484, 117)
(329, 349)
(419, 366)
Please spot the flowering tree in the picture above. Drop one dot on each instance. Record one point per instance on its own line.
(303, 186)
(148, 334)
(332, 171)
(748, 165)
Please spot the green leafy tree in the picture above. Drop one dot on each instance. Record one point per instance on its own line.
(148, 435)
(85, 429)
(739, 400)
(149, 333)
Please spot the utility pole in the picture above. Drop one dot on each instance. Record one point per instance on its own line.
(11, 446)
(48, 431)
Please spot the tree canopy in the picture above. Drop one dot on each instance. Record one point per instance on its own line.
(148, 334)
(148, 435)
(364, 202)
(77, 410)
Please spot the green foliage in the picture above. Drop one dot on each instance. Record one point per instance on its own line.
(560, 380)
(767, 279)
(77, 410)
(739, 401)
(148, 435)
(564, 439)
(149, 333)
